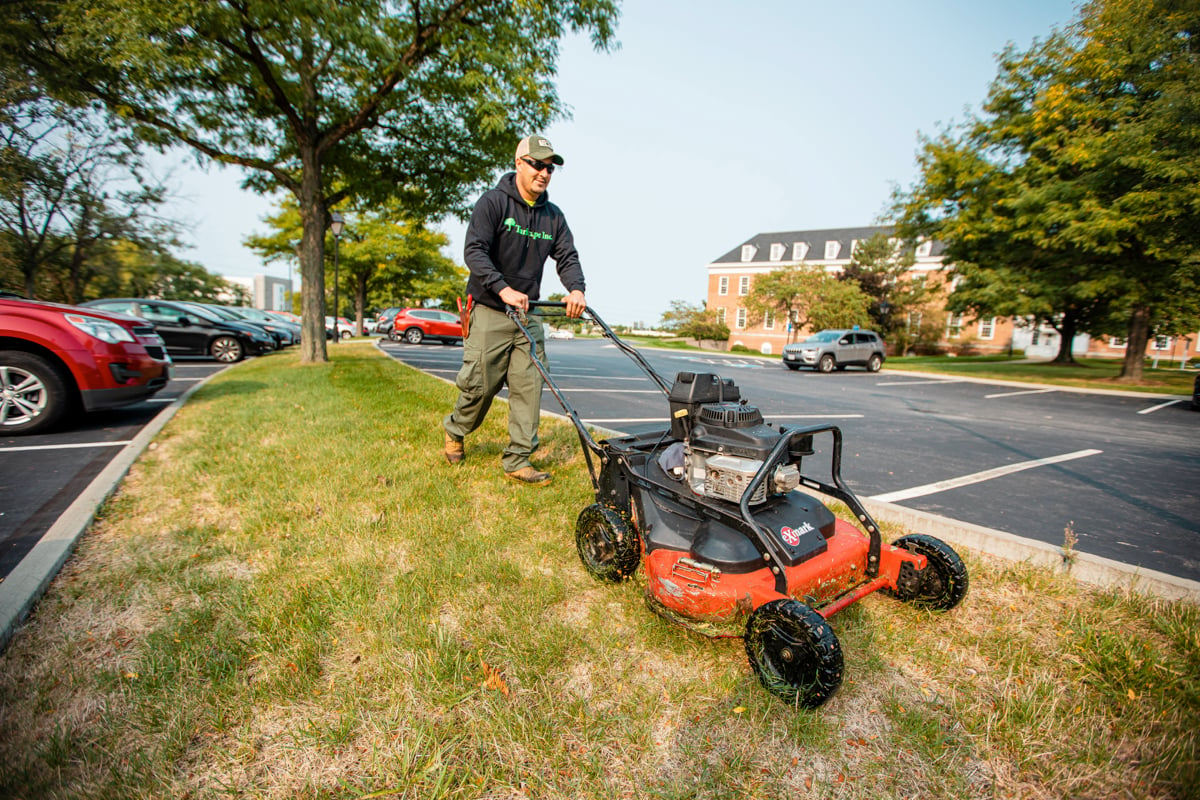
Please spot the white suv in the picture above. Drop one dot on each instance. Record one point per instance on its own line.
(836, 349)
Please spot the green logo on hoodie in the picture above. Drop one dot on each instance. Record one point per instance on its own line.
(511, 226)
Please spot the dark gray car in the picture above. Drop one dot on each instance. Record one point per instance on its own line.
(836, 349)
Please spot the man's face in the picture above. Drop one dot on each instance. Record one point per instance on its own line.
(533, 176)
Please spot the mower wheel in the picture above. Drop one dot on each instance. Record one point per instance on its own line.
(607, 542)
(943, 583)
(794, 652)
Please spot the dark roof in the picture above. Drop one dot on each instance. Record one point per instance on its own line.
(816, 243)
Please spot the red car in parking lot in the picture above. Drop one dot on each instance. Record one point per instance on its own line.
(414, 325)
(58, 360)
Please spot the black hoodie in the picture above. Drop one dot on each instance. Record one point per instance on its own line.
(508, 242)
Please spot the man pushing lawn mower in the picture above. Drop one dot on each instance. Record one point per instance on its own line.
(513, 230)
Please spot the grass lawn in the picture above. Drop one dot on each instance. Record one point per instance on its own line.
(294, 596)
(1091, 373)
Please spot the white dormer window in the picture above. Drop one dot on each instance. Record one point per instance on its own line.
(799, 250)
(853, 247)
(777, 251)
(832, 248)
(895, 243)
(744, 285)
(748, 251)
(924, 248)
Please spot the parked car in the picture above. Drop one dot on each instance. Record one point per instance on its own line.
(192, 330)
(836, 349)
(1196, 394)
(561, 333)
(279, 338)
(345, 327)
(57, 361)
(288, 333)
(414, 325)
(383, 322)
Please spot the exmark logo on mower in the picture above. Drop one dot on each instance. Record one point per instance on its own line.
(791, 536)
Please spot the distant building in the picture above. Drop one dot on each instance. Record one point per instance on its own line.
(266, 292)
(731, 276)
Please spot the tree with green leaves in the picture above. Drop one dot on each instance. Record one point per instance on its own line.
(384, 260)
(1078, 189)
(809, 298)
(418, 101)
(69, 183)
(694, 321)
(883, 270)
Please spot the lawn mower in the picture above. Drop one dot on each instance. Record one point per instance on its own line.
(712, 509)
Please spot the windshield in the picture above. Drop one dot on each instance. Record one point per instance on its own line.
(200, 311)
(824, 336)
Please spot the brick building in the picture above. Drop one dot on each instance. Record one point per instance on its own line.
(731, 276)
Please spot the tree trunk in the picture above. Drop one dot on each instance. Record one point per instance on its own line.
(312, 259)
(1135, 345)
(1066, 332)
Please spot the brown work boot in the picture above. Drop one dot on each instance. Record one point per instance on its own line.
(454, 450)
(530, 476)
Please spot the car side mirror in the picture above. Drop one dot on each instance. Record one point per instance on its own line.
(184, 321)
(844, 341)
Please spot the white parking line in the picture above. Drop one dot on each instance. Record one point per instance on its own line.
(979, 477)
(606, 391)
(917, 383)
(79, 446)
(187, 380)
(813, 416)
(1152, 409)
(1014, 394)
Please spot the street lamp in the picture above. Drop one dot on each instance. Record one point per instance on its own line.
(335, 225)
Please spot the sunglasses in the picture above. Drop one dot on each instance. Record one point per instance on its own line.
(538, 165)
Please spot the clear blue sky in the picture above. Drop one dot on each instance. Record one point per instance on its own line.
(714, 122)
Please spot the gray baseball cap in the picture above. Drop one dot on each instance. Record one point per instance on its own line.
(538, 147)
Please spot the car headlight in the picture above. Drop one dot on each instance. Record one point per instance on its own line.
(100, 329)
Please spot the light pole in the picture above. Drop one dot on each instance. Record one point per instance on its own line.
(335, 225)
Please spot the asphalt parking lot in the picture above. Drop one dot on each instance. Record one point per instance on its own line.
(40, 476)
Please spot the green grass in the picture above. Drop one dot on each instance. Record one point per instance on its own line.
(1092, 373)
(293, 596)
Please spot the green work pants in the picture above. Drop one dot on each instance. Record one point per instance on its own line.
(496, 352)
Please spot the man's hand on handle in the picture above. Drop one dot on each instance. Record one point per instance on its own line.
(576, 304)
(516, 299)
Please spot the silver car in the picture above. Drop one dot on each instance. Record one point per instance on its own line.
(836, 349)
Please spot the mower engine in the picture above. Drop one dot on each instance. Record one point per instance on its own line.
(725, 441)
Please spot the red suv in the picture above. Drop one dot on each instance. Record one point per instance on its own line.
(57, 359)
(414, 325)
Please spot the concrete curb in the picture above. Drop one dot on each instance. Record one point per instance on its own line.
(28, 581)
(1084, 567)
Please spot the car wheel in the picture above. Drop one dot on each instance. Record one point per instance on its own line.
(33, 394)
(346, 334)
(607, 542)
(393, 335)
(826, 364)
(414, 335)
(874, 363)
(794, 652)
(943, 583)
(227, 350)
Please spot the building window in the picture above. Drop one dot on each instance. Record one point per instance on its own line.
(1162, 342)
(777, 251)
(954, 326)
(741, 318)
(748, 251)
(723, 285)
(799, 251)
(744, 285)
(987, 328)
(832, 248)
(721, 315)
(1116, 341)
(769, 321)
(924, 248)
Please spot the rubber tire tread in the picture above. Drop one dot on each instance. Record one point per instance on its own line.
(619, 535)
(823, 668)
(944, 587)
